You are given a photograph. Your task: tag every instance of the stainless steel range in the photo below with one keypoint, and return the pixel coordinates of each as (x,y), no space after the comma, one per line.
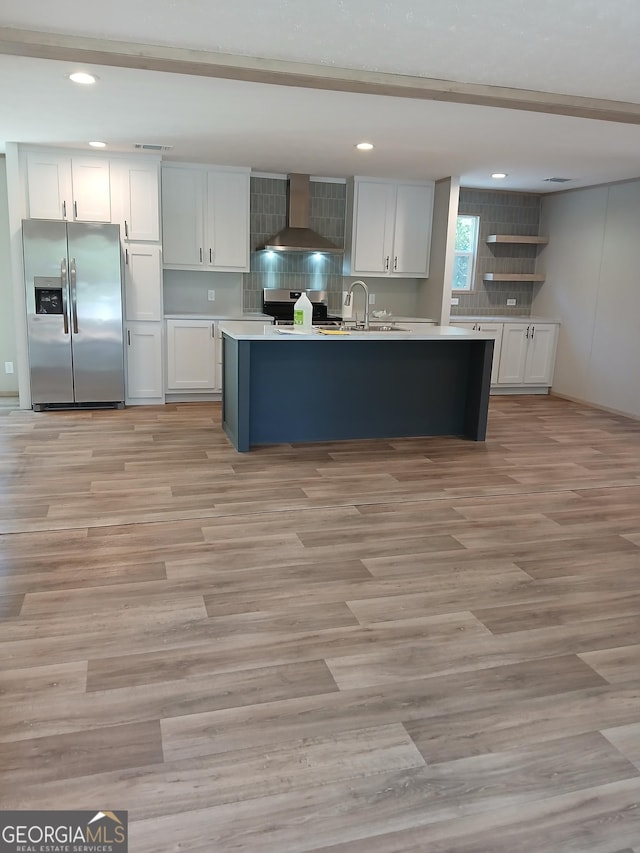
(279,305)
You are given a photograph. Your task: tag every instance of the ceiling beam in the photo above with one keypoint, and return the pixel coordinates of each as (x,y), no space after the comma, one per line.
(177,60)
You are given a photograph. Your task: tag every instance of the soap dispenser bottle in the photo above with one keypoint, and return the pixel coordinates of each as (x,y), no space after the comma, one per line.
(302,314)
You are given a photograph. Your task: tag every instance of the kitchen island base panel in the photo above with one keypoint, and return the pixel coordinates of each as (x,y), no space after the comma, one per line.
(279,392)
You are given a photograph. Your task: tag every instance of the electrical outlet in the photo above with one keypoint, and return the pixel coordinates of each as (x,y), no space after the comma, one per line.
(372,299)
(512,302)
(454,300)
(211,295)
(8,367)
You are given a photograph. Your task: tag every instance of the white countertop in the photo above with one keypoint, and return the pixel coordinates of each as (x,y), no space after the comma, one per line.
(392,318)
(247,315)
(254,332)
(500,318)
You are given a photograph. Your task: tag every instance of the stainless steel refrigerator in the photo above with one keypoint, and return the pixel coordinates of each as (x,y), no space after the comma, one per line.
(74,312)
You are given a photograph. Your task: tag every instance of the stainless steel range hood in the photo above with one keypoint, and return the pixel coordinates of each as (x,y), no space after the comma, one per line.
(297,236)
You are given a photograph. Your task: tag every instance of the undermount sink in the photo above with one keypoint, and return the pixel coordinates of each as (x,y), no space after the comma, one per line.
(373,330)
(387,329)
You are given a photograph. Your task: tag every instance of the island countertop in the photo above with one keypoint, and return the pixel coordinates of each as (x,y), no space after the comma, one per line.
(282,387)
(240,331)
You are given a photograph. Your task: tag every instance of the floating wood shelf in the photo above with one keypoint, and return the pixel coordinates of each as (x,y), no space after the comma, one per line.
(515,238)
(512,276)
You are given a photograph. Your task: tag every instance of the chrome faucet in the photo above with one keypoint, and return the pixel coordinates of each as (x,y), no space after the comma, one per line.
(347,300)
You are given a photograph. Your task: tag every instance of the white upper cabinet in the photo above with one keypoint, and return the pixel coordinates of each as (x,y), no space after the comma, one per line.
(182,216)
(91,189)
(412,233)
(373,221)
(205,217)
(227,221)
(136,196)
(391,228)
(68,187)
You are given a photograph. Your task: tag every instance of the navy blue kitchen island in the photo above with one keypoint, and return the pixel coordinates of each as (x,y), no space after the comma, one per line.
(284,388)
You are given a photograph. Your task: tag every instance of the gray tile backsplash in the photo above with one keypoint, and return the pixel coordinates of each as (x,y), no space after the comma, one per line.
(290,270)
(186,292)
(500,213)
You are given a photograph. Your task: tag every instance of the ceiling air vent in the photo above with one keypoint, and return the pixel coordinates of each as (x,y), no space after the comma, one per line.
(557,180)
(152,146)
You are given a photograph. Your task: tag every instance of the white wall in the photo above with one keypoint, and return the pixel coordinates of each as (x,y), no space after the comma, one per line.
(434,296)
(592,267)
(8,382)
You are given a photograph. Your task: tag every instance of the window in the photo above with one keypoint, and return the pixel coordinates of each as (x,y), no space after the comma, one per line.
(464,262)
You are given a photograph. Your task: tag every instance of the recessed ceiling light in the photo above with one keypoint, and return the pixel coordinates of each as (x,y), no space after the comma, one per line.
(499,175)
(82,77)
(364,146)
(98,144)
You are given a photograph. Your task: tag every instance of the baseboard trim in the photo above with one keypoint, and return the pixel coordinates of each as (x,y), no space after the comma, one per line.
(193,398)
(591,405)
(501,391)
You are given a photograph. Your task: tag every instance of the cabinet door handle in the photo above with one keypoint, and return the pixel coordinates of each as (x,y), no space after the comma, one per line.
(126,229)
(200,255)
(126,257)
(213,330)
(75,209)
(128,337)
(386,262)
(395,263)
(64,209)
(527,332)
(210,257)
(533,329)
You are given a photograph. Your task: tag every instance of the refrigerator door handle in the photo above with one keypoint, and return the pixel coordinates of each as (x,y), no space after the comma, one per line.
(74,306)
(65,287)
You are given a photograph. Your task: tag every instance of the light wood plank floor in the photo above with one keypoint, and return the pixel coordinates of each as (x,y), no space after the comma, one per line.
(410,646)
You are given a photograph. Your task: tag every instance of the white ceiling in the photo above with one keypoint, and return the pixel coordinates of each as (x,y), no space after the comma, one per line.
(583,48)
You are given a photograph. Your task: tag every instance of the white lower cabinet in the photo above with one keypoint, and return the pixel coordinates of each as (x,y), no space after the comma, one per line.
(495,330)
(192,356)
(144,363)
(528,353)
(523,354)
